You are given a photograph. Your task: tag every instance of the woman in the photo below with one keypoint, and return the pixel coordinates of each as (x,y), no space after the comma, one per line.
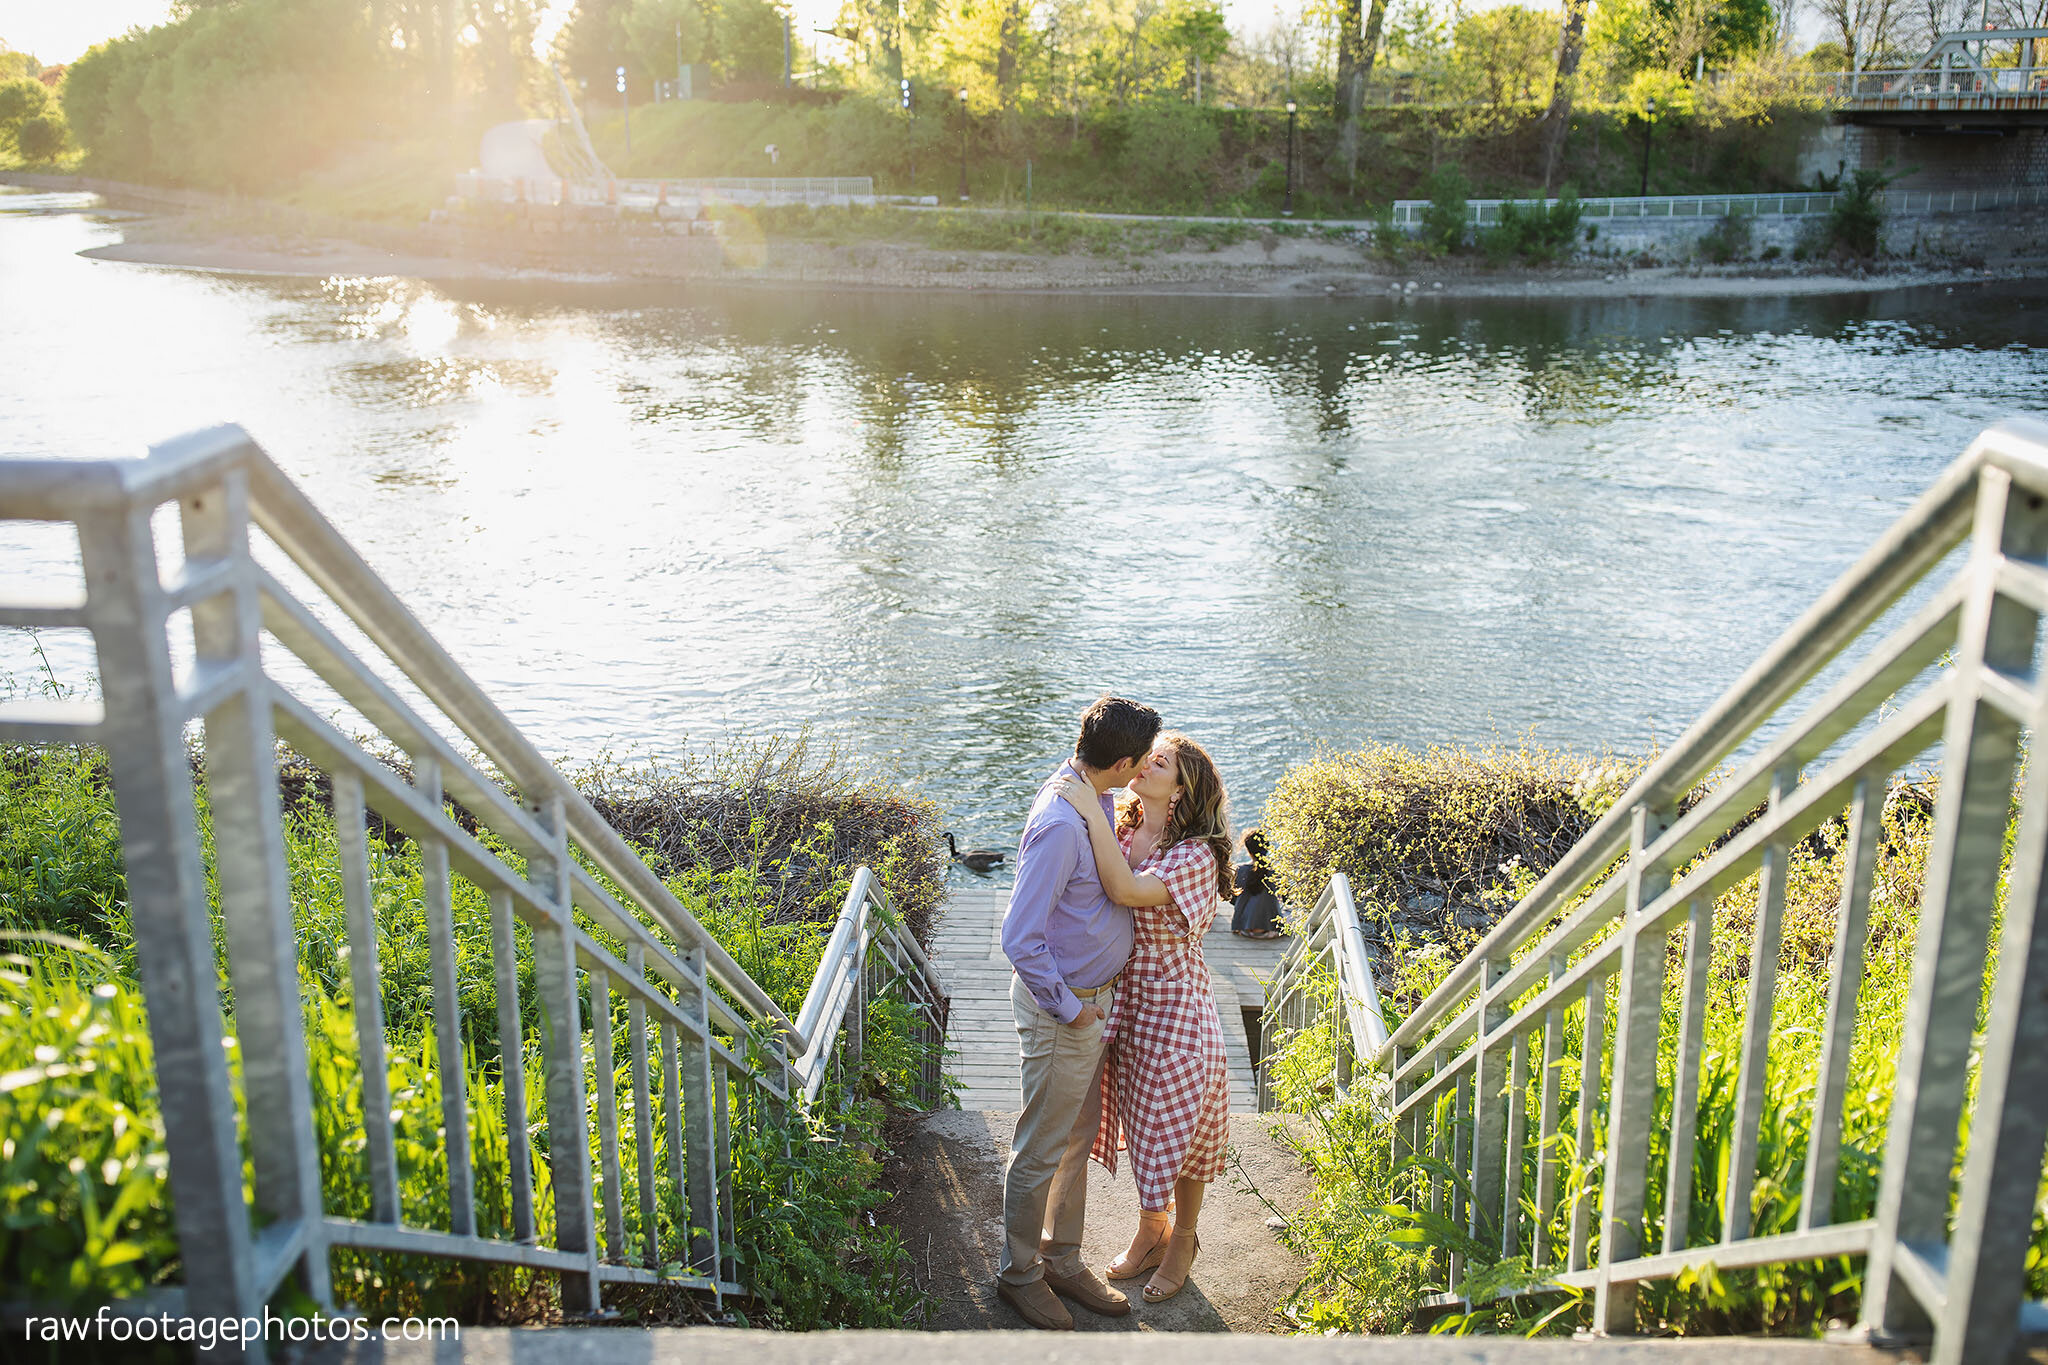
(1165,1081)
(1256,912)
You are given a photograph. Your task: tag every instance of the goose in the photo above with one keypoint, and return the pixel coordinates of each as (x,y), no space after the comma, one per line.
(982,860)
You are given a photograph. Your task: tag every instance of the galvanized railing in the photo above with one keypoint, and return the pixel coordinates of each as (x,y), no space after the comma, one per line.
(1328,947)
(1577,972)
(707,1047)
(817,191)
(1410,213)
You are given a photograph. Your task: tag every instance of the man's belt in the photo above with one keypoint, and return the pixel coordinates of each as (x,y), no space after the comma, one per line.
(1094,991)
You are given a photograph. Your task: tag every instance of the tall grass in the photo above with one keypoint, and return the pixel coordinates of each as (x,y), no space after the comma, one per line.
(87,1206)
(1372,1241)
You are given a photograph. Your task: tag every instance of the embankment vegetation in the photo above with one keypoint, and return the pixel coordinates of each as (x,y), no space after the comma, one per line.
(1438,845)
(370,107)
(759,843)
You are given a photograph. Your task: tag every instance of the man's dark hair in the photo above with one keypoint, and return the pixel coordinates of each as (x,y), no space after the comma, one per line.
(1114,729)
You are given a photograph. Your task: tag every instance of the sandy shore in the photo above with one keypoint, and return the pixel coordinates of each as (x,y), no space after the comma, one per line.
(1293,269)
(253,239)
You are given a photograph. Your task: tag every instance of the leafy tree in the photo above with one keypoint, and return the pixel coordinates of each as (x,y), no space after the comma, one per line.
(987,44)
(14,64)
(593,40)
(1194,30)
(21,99)
(1504,56)
(42,138)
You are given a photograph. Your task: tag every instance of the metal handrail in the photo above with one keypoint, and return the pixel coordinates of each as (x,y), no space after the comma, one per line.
(601,920)
(1329,934)
(1456,1073)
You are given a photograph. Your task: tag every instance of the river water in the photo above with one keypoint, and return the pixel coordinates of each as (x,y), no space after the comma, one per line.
(934,526)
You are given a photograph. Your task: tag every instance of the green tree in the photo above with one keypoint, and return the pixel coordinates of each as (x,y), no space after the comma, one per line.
(13,64)
(593,40)
(42,138)
(1504,56)
(1194,31)
(22,99)
(659,33)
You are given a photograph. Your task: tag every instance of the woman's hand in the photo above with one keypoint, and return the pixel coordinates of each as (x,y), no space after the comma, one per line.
(1080,796)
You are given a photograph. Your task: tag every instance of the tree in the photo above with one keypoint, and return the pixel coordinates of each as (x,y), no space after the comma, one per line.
(1503,55)
(42,137)
(593,40)
(22,99)
(1867,29)
(1194,31)
(1557,118)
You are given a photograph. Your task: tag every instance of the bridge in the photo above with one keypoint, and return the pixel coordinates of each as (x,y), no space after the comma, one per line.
(659,1053)
(1949,84)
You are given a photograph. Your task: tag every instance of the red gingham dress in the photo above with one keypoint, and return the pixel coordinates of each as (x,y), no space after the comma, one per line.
(1165,1078)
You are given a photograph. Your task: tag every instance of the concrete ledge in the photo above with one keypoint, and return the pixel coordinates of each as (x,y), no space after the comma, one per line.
(728,1346)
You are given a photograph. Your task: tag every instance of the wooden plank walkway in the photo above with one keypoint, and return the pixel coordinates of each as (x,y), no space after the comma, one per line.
(968,952)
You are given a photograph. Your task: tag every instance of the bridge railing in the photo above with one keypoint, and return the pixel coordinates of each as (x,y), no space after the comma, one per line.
(706,1047)
(1576,973)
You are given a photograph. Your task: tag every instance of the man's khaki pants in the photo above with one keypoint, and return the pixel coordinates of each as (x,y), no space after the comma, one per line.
(1045,1188)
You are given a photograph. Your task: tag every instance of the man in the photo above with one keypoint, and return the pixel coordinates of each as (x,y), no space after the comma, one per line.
(1068,942)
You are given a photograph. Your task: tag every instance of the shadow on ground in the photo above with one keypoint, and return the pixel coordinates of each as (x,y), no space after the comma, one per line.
(948,1182)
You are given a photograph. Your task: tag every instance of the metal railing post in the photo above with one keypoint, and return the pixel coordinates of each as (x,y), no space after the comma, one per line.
(255,884)
(1638,1015)
(557,985)
(127,610)
(1980,749)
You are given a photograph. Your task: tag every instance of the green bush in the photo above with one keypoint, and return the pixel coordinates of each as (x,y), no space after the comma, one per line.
(1855,224)
(1731,239)
(1534,233)
(1443,222)
(1385,815)
(42,138)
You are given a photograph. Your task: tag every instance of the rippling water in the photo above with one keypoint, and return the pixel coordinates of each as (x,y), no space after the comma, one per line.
(935,526)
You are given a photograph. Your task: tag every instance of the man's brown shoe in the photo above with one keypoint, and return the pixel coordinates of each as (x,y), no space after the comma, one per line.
(1037,1304)
(1091,1293)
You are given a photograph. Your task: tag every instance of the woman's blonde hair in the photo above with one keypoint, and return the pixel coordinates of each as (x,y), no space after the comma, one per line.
(1202,810)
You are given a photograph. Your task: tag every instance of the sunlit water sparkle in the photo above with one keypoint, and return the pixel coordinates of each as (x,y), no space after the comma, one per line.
(935,525)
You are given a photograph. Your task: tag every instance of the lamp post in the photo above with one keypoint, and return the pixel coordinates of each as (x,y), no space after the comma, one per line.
(1287,210)
(963,144)
(625,112)
(1649,122)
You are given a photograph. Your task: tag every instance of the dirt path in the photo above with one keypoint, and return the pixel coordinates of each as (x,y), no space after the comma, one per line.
(948,1182)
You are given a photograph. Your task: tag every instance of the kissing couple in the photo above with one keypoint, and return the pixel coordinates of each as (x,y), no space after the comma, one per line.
(1122,1045)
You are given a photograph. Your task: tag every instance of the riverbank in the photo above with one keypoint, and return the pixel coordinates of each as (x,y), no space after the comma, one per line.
(185,230)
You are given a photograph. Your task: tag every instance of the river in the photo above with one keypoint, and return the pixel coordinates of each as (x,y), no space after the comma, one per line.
(933,526)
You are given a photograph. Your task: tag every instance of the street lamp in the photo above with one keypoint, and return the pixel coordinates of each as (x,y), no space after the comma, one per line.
(1649,122)
(963,144)
(1288,210)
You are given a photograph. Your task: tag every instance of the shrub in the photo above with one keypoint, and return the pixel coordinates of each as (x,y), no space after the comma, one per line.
(1728,240)
(1536,233)
(42,138)
(1447,817)
(1855,225)
(1443,222)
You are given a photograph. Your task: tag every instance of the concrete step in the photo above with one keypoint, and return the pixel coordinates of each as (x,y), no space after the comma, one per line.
(734,1346)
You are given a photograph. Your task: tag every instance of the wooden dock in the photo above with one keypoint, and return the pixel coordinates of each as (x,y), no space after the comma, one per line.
(968,952)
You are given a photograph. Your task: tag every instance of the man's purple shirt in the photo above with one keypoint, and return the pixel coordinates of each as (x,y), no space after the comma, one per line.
(1062,929)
